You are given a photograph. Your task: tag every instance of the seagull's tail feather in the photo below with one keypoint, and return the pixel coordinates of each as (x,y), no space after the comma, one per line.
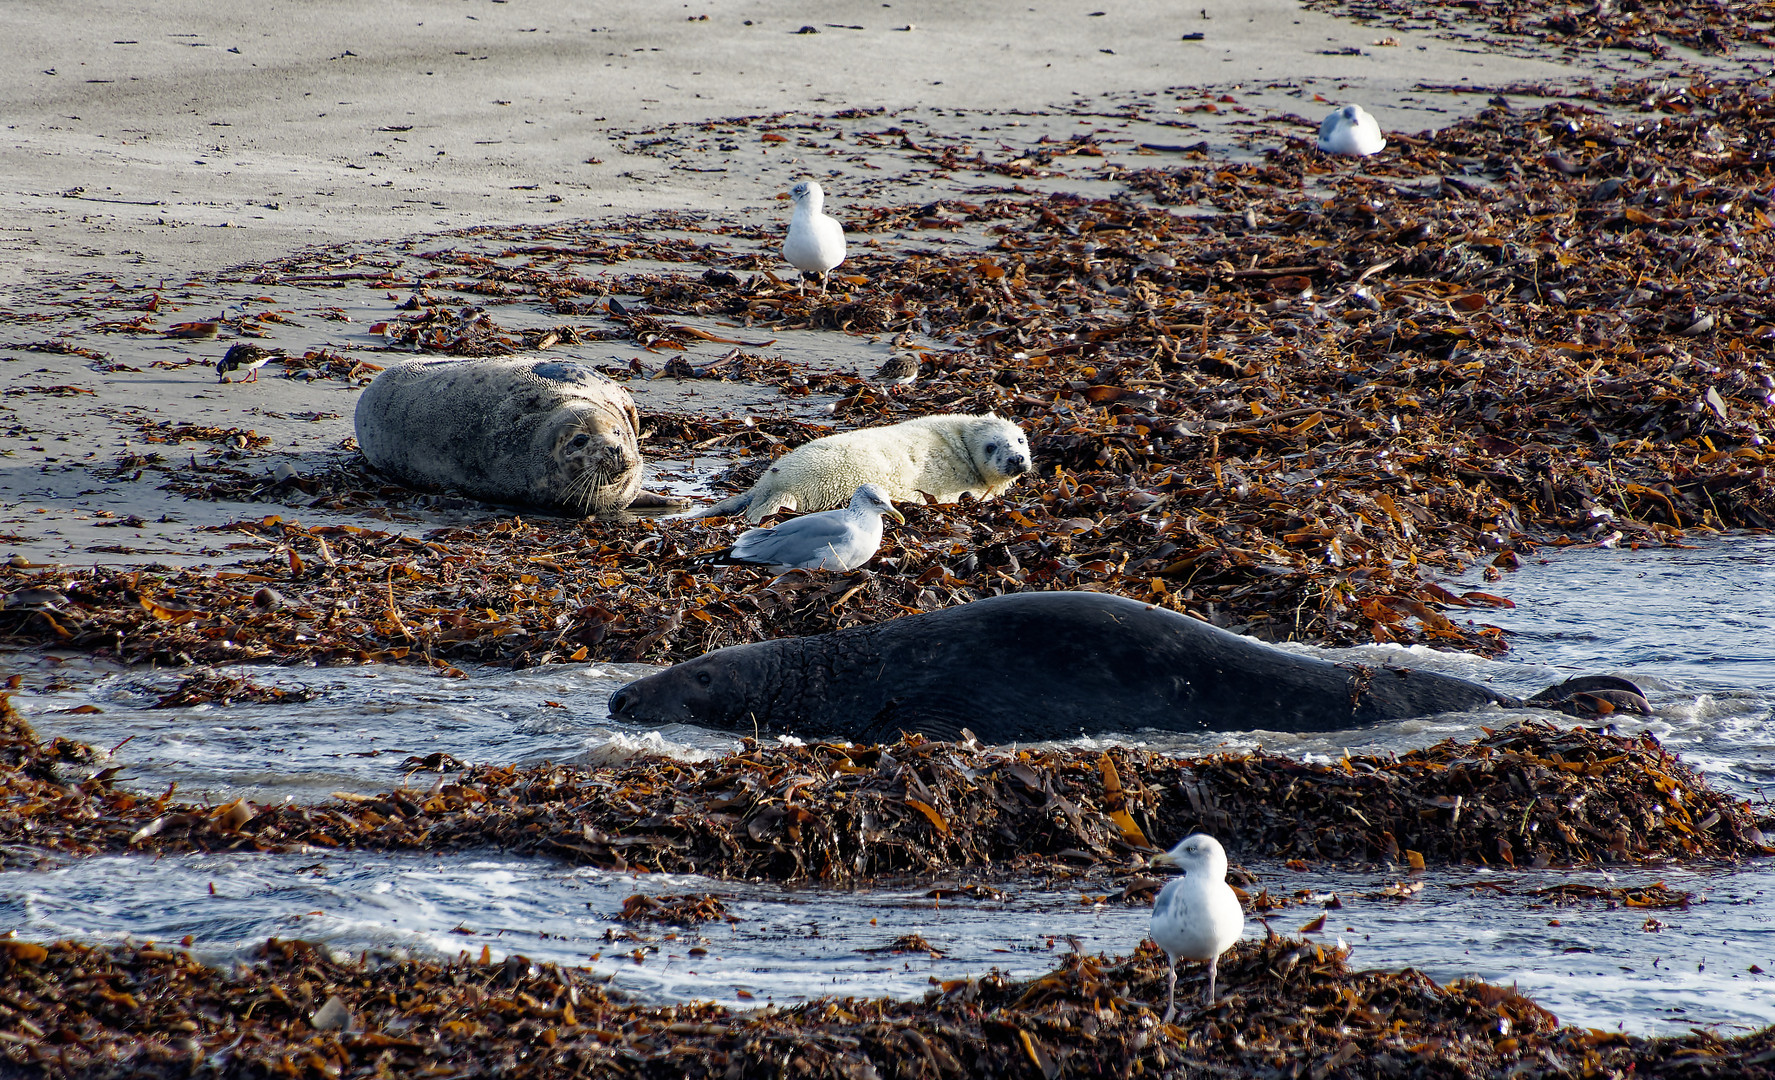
(728,507)
(724,557)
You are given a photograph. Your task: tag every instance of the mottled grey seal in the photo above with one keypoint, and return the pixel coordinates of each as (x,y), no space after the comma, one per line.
(550,434)
(1047,665)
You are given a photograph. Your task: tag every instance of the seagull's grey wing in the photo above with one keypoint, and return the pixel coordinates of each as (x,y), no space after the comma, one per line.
(1167,919)
(804,541)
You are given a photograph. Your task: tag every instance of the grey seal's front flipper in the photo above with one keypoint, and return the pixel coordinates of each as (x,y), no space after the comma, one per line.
(1594,695)
(649,503)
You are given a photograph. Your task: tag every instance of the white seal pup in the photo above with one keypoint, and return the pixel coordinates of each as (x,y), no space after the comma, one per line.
(551,434)
(1197,916)
(830,540)
(1350,131)
(815,243)
(943,456)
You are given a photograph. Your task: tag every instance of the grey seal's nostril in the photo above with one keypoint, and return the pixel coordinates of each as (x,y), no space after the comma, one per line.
(619,701)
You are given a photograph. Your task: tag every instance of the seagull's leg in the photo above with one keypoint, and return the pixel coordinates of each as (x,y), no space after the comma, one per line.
(823,282)
(1208,995)
(1170,990)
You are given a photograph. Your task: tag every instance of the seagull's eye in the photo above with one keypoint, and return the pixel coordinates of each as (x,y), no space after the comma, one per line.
(703,678)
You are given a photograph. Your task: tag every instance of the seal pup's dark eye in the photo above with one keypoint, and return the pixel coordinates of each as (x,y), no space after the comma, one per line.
(990,447)
(580,440)
(702,677)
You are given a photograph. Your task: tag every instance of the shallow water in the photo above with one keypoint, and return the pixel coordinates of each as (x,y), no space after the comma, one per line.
(1696,627)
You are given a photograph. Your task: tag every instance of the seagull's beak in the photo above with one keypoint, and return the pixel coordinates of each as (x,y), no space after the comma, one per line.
(782,195)
(895,514)
(1163,858)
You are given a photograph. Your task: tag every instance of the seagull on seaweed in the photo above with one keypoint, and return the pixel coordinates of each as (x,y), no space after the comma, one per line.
(1197,916)
(841,539)
(815,243)
(1350,131)
(247,357)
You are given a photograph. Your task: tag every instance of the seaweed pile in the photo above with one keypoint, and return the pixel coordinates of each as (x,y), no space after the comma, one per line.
(1285,412)
(1286,1008)
(1530,795)
(1642,26)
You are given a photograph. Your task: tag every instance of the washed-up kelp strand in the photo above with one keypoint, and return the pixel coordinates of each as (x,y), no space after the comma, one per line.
(206,687)
(689,908)
(523,592)
(1530,795)
(1643,26)
(1286,1008)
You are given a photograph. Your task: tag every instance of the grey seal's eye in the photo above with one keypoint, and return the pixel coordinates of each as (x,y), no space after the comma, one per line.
(580,440)
(703,679)
(990,447)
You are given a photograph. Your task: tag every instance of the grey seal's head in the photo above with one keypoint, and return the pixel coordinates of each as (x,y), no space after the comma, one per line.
(588,447)
(593,462)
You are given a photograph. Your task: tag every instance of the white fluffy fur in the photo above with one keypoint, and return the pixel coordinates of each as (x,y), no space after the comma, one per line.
(941,456)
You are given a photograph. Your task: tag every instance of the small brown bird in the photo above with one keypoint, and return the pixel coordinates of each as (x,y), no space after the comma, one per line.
(244,356)
(900,369)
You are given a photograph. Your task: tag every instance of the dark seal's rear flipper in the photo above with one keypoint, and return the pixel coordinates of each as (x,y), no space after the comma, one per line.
(1594,695)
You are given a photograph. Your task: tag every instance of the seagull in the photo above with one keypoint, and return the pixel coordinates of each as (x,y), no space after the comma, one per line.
(815,243)
(1350,131)
(901,368)
(244,356)
(1197,916)
(831,540)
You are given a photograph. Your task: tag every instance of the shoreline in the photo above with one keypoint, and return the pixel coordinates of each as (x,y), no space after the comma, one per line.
(1272,391)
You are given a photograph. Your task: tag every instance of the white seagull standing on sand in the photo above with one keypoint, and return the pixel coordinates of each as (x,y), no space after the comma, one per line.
(1197,916)
(815,243)
(1350,131)
(830,540)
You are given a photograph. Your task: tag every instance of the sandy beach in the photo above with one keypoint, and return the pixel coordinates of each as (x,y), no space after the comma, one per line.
(173,139)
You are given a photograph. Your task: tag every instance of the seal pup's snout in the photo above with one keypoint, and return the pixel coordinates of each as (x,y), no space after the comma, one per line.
(620,702)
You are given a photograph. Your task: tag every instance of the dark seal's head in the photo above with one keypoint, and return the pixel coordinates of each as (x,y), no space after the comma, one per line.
(717,690)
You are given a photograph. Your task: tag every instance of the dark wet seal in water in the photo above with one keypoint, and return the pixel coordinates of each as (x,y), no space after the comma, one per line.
(1530,795)
(1289,1008)
(1053,665)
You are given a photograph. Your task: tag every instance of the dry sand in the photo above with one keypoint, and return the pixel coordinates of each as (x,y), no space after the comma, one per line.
(148,147)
